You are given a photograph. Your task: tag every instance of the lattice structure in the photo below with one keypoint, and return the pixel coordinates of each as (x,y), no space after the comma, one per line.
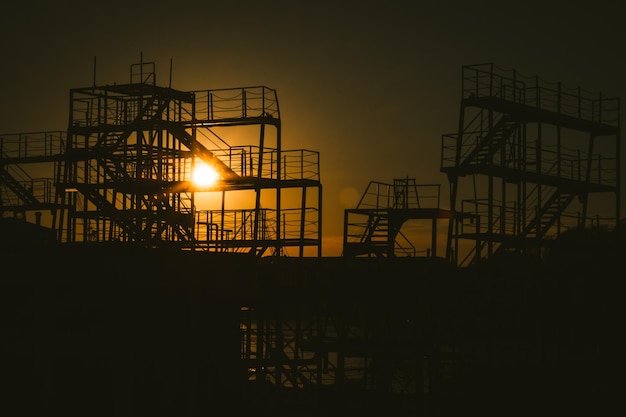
(24,187)
(123,171)
(381,223)
(542,158)
(359,335)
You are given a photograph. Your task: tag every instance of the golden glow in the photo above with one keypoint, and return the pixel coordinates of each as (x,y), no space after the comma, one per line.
(204,175)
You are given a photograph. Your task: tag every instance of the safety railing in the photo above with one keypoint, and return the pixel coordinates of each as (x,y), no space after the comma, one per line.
(489,80)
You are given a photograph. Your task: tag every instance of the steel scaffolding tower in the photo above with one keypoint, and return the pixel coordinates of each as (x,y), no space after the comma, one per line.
(356,335)
(379,225)
(123,171)
(540,158)
(131,152)
(26,183)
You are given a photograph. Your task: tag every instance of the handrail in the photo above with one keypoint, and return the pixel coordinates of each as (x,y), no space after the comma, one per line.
(32,144)
(488,80)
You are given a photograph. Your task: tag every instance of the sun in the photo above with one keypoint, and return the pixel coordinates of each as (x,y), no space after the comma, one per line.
(204,175)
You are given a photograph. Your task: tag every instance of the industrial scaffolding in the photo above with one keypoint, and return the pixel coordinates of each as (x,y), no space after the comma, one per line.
(386,221)
(123,171)
(530,160)
(358,335)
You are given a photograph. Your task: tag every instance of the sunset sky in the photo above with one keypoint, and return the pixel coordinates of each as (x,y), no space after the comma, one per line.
(371,85)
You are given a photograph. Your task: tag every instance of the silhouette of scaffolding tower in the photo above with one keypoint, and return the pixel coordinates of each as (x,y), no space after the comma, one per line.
(378,225)
(382,342)
(539,156)
(126,174)
(26,193)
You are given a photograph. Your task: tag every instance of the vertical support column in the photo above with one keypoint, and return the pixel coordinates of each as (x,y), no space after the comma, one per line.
(434,237)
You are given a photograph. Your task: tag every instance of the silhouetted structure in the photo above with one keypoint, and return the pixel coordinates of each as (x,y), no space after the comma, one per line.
(377,226)
(24,159)
(123,170)
(172,316)
(539,156)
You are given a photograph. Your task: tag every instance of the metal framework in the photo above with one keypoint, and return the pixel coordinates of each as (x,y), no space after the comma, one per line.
(380,224)
(25,159)
(123,171)
(357,335)
(540,157)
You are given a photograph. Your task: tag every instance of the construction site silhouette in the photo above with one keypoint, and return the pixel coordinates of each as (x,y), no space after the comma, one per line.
(123,295)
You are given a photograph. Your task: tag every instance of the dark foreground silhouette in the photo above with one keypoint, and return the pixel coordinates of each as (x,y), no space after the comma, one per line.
(110,330)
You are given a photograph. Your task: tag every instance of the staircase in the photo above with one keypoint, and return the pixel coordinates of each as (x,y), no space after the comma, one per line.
(488,145)
(375,225)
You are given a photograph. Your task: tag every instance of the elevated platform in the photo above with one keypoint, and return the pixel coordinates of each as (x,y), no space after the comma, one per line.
(124,169)
(530,160)
(376,227)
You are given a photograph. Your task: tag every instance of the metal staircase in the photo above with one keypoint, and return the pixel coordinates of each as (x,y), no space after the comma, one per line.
(27,190)
(492,142)
(549,214)
(376,226)
(534,153)
(122,171)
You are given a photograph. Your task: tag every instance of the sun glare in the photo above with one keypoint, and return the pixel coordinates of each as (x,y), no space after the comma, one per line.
(204,175)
